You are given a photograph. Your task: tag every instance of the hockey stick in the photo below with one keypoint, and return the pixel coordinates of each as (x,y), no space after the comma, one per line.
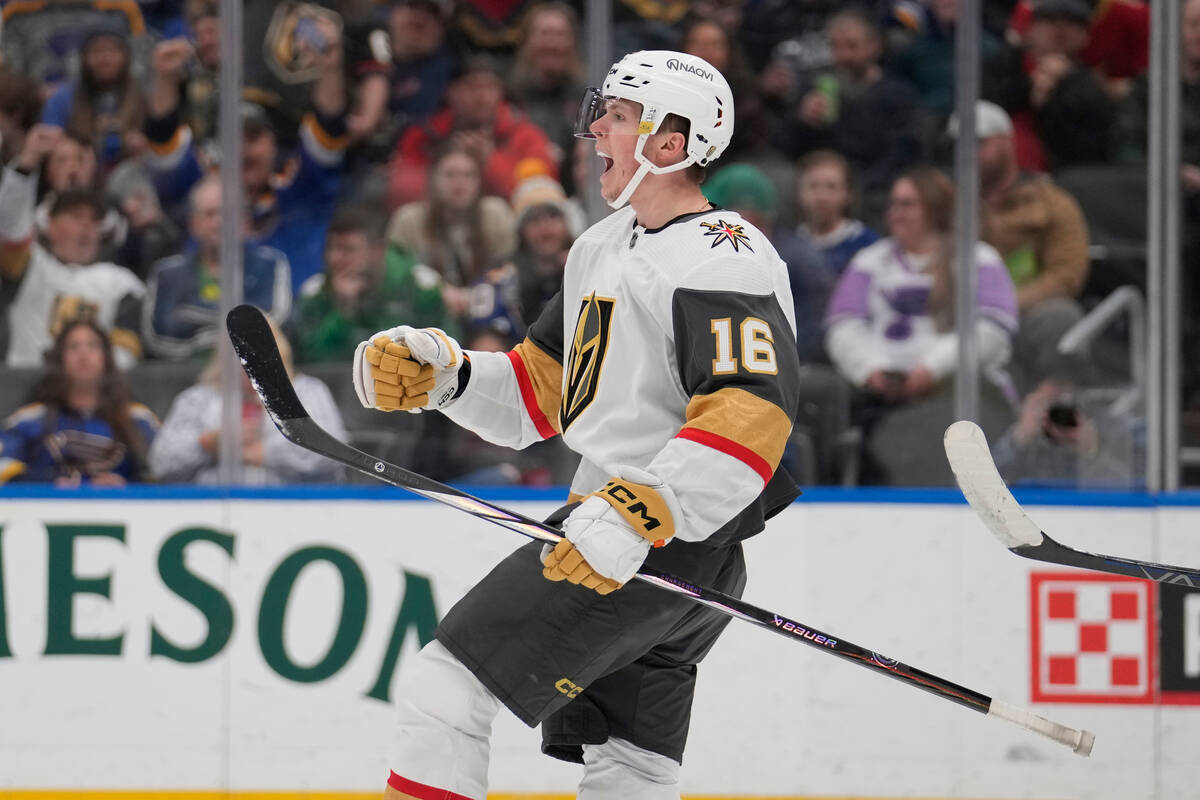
(980,481)
(255,345)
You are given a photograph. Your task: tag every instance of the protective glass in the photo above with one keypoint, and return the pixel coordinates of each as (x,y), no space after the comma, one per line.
(590,110)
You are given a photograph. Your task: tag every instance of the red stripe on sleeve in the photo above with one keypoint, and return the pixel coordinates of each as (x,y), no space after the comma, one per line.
(730,448)
(401,784)
(544,428)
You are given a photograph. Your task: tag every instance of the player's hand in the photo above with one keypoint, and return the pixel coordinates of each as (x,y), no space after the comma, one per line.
(565,562)
(609,535)
(408,369)
(381,364)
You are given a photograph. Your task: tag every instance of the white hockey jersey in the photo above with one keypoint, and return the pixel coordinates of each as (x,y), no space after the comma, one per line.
(53,293)
(50,293)
(671,350)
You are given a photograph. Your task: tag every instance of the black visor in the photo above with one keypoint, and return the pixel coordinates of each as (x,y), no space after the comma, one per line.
(591,109)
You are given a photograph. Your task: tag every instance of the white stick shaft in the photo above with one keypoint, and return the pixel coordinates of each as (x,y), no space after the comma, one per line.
(1079,741)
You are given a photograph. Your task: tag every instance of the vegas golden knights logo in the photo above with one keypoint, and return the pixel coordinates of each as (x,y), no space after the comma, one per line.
(587,356)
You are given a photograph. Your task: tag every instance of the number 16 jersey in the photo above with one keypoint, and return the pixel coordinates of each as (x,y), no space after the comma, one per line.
(669,349)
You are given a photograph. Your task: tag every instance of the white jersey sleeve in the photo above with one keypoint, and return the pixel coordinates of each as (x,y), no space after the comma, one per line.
(670,350)
(512,398)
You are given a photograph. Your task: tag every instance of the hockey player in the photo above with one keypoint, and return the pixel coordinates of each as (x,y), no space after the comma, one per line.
(668,361)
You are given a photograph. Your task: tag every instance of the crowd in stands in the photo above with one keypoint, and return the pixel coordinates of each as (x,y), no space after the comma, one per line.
(413,161)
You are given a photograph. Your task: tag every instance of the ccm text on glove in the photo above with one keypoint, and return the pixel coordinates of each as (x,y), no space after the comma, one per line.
(609,535)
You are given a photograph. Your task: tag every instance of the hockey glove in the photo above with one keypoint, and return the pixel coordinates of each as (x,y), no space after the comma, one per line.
(609,535)
(407,369)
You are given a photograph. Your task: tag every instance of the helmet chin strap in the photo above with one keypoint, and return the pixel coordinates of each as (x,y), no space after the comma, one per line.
(642,171)
(645,167)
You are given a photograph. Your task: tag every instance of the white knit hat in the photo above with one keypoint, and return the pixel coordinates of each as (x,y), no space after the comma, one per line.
(990,120)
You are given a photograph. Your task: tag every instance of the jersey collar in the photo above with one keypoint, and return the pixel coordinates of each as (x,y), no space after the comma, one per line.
(680,218)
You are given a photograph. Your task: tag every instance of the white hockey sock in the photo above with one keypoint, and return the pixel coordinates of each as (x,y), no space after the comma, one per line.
(618,769)
(444,723)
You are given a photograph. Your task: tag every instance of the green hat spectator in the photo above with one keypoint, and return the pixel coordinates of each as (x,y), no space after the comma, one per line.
(742,186)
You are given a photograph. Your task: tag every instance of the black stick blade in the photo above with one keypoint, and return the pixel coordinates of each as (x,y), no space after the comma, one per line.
(254,343)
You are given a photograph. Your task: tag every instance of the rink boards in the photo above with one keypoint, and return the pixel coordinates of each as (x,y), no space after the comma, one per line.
(246,645)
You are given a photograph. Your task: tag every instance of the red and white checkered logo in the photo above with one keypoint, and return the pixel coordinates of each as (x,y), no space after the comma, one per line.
(1093,638)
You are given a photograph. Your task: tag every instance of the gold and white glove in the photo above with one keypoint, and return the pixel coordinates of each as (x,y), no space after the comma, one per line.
(408,369)
(608,536)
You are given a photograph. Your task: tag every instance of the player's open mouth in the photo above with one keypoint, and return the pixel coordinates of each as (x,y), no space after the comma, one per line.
(608,163)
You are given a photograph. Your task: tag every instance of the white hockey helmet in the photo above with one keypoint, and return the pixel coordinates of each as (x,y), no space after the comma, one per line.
(665,82)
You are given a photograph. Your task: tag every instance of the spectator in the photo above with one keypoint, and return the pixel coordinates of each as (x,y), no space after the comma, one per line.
(297,39)
(398,63)
(1130,135)
(290,207)
(105,104)
(146,234)
(786,38)
(1062,114)
(1039,231)
(1056,442)
(182,313)
(457,231)
(1118,40)
(640,25)
(547,225)
(493,302)
(288,49)
(786,42)
(368,60)
(70,165)
(20,110)
(64,279)
(826,196)
(546,80)
(922,43)
(748,191)
(201,76)
(1130,145)
(422,62)
(715,44)
(514,290)
(82,428)
(488,26)
(130,242)
(166,18)
(871,118)
(476,118)
(41,40)
(890,324)
(366,287)
(186,448)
